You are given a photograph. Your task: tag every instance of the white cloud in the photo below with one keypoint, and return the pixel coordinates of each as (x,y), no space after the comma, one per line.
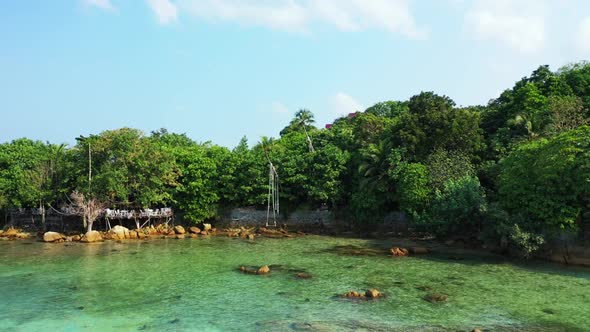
(103,4)
(166,12)
(297,15)
(343,104)
(519,24)
(583,36)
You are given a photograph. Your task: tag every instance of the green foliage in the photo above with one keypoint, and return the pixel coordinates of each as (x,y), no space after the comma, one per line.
(412,186)
(458,208)
(547,181)
(444,166)
(432,123)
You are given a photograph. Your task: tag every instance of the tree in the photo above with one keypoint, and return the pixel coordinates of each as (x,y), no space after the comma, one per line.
(432,123)
(89,208)
(566,113)
(545,182)
(302,121)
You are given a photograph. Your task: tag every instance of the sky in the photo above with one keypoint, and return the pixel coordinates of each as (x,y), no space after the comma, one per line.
(219,70)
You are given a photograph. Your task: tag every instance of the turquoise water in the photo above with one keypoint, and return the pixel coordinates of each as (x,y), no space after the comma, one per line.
(194,284)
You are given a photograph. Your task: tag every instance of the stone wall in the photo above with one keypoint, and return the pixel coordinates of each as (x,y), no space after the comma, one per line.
(250,216)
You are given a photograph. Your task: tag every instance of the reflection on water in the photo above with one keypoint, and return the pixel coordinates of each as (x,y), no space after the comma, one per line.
(195,284)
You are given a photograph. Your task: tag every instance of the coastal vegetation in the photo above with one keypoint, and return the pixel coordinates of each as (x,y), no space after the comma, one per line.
(515,171)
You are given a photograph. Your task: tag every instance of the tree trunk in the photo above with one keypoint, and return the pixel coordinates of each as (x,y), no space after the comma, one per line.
(89,228)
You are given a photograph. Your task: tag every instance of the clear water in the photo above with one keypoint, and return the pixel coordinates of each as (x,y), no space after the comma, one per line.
(194,284)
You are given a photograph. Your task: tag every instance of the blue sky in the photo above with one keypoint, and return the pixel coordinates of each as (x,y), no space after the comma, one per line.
(221,69)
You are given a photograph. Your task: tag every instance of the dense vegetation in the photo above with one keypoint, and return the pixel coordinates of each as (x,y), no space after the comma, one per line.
(516,170)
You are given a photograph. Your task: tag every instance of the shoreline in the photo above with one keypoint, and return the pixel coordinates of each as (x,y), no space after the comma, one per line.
(399,245)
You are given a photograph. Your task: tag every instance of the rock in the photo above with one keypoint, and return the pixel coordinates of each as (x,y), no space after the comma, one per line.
(194,236)
(399,252)
(436,297)
(179,236)
(53,237)
(119,233)
(141,235)
(373,293)
(92,236)
(353,294)
(133,235)
(476,330)
(22,235)
(68,239)
(419,250)
(76,238)
(206,227)
(194,230)
(303,275)
(204,233)
(11,232)
(171,233)
(250,236)
(263,270)
(179,229)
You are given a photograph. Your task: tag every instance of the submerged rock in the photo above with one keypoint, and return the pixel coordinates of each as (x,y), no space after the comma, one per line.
(303,275)
(92,236)
(353,294)
(179,229)
(194,230)
(53,237)
(179,236)
(436,297)
(251,270)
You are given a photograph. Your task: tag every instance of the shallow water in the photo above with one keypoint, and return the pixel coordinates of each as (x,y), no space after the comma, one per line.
(194,284)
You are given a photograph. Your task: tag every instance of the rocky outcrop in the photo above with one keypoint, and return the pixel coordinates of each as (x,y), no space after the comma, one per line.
(399,252)
(179,229)
(11,232)
(92,236)
(53,237)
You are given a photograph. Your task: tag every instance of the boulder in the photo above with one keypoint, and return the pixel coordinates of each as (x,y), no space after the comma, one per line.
(11,232)
(171,233)
(204,233)
(476,330)
(419,250)
(179,236)
(206,227)
(250,236)
(119,233)
(133,234)
(194,236)
(194,230)
(76,238)
(372,293)
(179,229)
(141,235)
(53,237)
(92,236)
(22,235)
(399,252)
